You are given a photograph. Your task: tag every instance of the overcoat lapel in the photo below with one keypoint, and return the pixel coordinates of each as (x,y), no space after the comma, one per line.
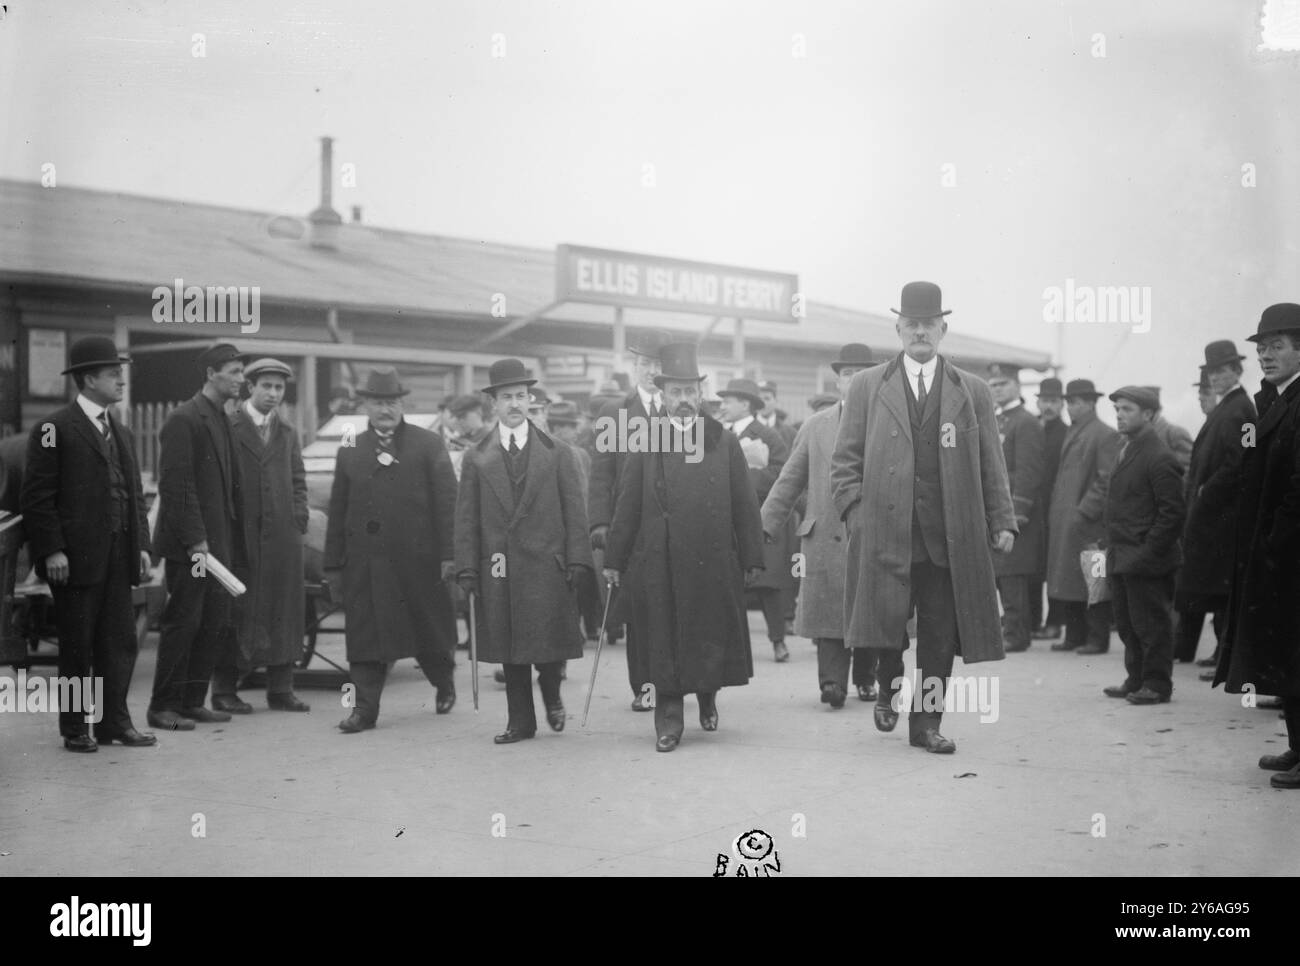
(893,396)
(539,468)
(953,397)
(494,471)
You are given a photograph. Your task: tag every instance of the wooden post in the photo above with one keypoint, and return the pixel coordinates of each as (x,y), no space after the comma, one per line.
(305,411)
(620,339)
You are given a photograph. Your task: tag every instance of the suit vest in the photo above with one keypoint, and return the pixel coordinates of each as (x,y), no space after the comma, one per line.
(929,536)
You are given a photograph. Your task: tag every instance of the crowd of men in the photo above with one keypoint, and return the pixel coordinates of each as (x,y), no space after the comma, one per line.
(919,501)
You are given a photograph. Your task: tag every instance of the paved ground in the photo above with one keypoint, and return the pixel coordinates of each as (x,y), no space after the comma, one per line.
(1176,786)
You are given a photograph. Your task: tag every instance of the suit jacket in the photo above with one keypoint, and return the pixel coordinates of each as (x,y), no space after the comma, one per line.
(66,500)
(198,485)
(823,537)
(873,470)
(1144,509)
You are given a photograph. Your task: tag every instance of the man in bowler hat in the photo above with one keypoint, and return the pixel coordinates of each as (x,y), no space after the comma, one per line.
(1261,643)
(919,477)
(83,510)
(1143,520)
(522,547)
(389,549)
(199,513)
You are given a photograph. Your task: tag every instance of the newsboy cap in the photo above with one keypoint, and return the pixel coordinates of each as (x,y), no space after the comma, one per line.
(252,370)
(218,355)
(1142,395)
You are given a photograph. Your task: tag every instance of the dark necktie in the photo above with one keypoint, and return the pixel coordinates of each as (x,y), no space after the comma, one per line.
(103,423)
(514,447)
(920,390)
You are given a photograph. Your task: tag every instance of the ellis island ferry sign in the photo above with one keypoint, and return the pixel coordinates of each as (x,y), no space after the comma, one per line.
(605,277)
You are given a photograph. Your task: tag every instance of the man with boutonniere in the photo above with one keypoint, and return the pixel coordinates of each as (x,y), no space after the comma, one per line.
(389,549)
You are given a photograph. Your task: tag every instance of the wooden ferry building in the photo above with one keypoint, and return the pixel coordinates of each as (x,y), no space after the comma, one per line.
(165,278)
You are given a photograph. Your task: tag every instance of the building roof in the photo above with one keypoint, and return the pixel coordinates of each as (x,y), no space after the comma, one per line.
(89,238)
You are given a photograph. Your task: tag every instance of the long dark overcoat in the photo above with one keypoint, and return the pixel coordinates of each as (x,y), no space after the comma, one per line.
(778,565)
(1213,482)
(683,536)
(274,514)
(390,529)
(1144,509)
(522,551)
(874,468)
(1078,500)
(1261,644)
(1023,450)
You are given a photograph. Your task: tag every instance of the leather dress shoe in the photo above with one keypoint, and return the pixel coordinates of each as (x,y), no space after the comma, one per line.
(667,742)
(231,704)
(1048,632)
(130,737)
(639,703)
(80,743)
(1064,646)
(886,717)
(204,715)
(709,712)
(555,717)
(286,702)
(1147,696)
(833,695)
(1283,762)
(1286,779)
(1206,675)
(866,692)
(1268,701)
(1118,691)
(780,652)
(446,699)
(354,723)
(1208,662)
(511,735)
(499,676)
(933,742)
(170,720)
(1091,649)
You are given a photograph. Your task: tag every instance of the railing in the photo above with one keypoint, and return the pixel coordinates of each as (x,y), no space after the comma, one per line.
(146,421)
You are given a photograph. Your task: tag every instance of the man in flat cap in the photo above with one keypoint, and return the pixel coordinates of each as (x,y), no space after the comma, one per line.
(83,510)
(1074,519)
(1261,643)
(269,617)
(1051,407)
(1176,438)
(522,544)
(200,501)
(1213,483)
(686,538)
(1023,450)
(820,615)
(389,550)
(765,453)
(1143,520)
(644,401)
(925,518)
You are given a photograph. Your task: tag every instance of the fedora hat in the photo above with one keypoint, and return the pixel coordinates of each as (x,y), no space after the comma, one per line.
(507,372)
(563,412)
(745,389)
(267,365)
(678,360)
(649,343)
(921,300)
(1049,388)
(1082,388)
(1283,317)
(382,383)
(1221,352)
(853,354)
(93,352)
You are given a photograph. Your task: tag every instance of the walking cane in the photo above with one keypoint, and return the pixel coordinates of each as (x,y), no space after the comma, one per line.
(595,664)
(473,651)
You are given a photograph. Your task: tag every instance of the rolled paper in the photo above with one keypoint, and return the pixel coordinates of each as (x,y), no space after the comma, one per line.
(234,586)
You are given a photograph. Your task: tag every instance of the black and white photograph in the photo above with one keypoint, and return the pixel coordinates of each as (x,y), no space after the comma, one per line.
(652,438)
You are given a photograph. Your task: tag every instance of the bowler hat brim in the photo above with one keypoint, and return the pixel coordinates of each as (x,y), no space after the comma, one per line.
(512,382)
(96,364)
(921,318)
(756,400)
(660,379)
(837,366)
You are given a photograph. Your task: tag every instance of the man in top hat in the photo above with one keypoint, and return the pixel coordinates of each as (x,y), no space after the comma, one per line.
(1177,439)
(925,517)
(200,500)
(1075,519)
(1143,520)
(389,549)
(685,539)
(765,453)
(643,402)
(269,617)
(1261,643)
(820,615)
(1213,481)
(522,545)
(1023,450)
(1051,407)
(83,510)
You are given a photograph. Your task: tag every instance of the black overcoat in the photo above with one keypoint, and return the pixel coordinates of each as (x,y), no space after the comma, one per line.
(1023,451)
(1144,509)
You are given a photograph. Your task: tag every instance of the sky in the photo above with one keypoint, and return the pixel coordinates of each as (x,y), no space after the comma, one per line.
(1011,151)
